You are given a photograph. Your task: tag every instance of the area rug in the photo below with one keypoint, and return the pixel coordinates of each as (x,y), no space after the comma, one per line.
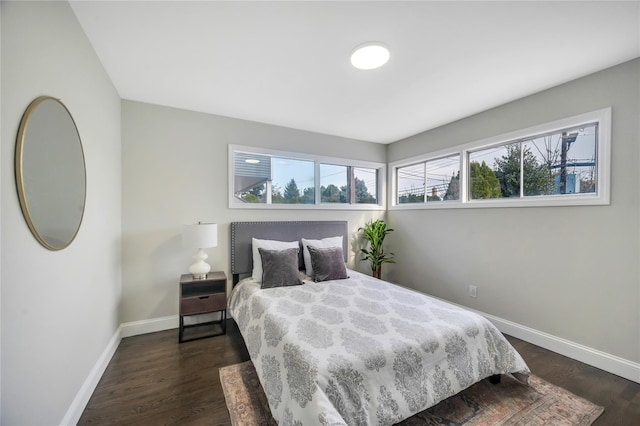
(508,403)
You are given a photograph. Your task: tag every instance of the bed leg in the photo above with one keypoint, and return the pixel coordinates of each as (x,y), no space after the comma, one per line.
(495,379)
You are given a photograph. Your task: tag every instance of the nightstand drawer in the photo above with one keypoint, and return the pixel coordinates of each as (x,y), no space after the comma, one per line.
(205,303)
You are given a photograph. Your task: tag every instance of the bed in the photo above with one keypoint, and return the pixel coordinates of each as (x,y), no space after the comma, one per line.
(355,350)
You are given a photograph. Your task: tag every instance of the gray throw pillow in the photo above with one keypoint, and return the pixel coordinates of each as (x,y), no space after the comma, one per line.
(327,263)
(279,267)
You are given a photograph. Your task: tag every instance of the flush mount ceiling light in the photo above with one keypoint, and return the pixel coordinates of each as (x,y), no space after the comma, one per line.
(251,161)
(369,56)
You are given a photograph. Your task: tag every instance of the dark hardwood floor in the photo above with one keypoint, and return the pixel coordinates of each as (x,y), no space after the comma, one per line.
(154,380)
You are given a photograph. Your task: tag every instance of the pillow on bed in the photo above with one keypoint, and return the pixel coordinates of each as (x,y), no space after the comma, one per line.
(328,263)
(323,243)
(279,267)
(269,245)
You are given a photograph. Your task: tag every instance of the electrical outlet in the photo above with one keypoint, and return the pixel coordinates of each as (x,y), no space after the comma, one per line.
(473,291)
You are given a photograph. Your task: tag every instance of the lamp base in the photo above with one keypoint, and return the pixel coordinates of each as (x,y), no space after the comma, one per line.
(199,269)
(199,276)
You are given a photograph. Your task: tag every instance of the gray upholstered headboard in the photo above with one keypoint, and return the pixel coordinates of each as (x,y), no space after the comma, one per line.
(242,232)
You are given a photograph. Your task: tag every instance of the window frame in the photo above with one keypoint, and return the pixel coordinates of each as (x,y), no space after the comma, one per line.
(381,189)
(602,195)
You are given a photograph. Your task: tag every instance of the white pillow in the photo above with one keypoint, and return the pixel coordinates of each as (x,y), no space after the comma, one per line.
(323,243)
(268,245)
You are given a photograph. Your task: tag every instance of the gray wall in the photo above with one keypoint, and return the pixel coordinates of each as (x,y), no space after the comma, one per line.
(571,272)
(59,309)
(175,172)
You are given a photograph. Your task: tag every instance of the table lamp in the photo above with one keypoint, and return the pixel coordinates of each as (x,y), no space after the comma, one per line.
(200,236)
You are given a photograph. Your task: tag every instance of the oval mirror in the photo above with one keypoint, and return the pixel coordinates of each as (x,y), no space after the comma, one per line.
(50,173)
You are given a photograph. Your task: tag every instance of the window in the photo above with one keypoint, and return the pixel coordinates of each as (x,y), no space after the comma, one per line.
(333,184)
(561,163)
(365,185)
(430,181)
(411,183)
(266,179)
(443,177)
(348,184)
(293,181)
(558,163)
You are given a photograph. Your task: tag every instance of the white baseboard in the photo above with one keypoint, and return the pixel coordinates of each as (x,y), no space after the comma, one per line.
(602,360)
(135,328)
(613,364)
(79,403)
(619,366)
(610,363)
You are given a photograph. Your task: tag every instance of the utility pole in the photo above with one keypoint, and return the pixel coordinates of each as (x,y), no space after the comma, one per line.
(567,140)
(563,164)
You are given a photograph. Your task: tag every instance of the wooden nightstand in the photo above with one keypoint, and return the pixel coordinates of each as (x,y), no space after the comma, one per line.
(203,296)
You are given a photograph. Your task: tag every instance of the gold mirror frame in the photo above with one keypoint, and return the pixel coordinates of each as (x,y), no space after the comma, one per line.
(50,173)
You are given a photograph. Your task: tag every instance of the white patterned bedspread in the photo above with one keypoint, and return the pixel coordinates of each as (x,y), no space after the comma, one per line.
(363,351)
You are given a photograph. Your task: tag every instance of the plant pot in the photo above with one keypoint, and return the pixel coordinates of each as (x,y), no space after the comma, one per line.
(377,273)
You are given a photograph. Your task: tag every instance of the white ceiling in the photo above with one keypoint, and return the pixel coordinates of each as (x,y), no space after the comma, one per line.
(287,63)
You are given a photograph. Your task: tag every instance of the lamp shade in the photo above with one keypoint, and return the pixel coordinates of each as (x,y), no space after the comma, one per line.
(200,235)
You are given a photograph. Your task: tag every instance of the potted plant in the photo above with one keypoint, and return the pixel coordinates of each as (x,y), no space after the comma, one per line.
(375,232)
